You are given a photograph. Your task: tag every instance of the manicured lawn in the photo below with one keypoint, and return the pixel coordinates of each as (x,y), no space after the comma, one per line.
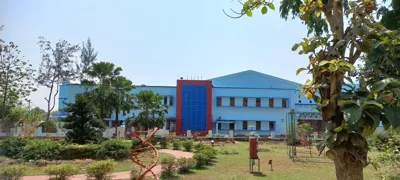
(236,167)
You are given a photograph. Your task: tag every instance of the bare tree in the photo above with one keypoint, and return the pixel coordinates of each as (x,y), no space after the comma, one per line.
(57,65)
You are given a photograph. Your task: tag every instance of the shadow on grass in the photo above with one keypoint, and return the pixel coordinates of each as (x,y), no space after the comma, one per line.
(259,174)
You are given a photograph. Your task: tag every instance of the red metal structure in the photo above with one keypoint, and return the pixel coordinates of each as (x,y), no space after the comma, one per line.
(145,154)
(253,148)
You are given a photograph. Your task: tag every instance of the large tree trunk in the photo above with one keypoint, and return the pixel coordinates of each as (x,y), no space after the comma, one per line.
(347,168)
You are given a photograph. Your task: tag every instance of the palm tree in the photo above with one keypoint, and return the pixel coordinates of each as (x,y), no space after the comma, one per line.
(152,110)
(103,74)
(120,97)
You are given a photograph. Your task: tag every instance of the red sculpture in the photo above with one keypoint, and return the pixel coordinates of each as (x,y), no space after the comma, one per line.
(145,154)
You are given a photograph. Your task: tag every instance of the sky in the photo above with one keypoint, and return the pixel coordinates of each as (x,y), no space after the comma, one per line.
(156,42)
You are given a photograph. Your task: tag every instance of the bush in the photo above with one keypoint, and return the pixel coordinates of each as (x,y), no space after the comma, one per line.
(135,173)
(199,146)
(187,145)
(210,152)
(201,159)
(135,143)
(185,164)
(12,147)
(100,170)
(167,166)
(176,144)
(61,171)
(164,143)
(13,172)
(37,149)
(74,151)
(117,149)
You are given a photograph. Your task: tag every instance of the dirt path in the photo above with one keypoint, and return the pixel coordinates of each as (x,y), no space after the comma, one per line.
(120,175)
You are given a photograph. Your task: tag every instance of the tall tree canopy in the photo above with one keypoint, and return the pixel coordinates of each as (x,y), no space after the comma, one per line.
(88,57)
(58,64)
(351,113)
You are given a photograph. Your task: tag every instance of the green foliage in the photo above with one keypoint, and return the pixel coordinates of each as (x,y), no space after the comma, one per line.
(152,110)
(100,170)
(135,143)
(176,144)
(185,164)
(304,127)
(76,151)
(117,149)
(188,145)
(227,151)
(12,146)
(37,149)
(205,156)
(82,122)
(388,143)
(199,146)
(13,172)
(61,171)
(168,167)
(164,143)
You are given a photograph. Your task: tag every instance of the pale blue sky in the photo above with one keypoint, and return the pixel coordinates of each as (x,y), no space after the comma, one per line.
(156,42)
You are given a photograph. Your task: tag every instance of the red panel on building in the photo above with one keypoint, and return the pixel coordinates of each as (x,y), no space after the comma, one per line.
(179,85)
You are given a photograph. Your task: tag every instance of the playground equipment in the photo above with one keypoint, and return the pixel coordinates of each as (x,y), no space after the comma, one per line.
(253,143)
(145,154)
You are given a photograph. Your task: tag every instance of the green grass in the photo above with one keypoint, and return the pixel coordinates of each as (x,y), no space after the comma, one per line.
(236,167)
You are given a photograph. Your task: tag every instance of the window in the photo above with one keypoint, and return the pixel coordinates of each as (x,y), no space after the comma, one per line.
(271,126)
(231,126)
(284,103)
(165,100)
(232,103)
(171,100)
(271,102)
(219,126)
(258,102)
(244,102)
(244,125)
(219,101)
(258,125)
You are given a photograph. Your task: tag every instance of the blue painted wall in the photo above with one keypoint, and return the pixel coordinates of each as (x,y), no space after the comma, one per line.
(194,107)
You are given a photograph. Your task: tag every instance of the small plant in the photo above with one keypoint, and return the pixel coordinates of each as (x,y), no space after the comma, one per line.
(101,170)
(176,144)
(164,143)
(187,145)
(61,171)
(199,146)
(185,164)
(135,173)
(13,172)
(201,159)
(168,167)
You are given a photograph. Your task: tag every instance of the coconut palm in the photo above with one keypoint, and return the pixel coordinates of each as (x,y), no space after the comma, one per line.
(120,97)
(103,74)
(152,111)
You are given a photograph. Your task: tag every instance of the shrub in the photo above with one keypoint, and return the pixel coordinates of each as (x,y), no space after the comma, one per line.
(117,149)
(168,166)
(135,173)
(176,144)
(37,149)
(74,151)
(199,146)
(187,145)
(201,159)
(61,171)
(100,170)
(135,142)
(164,143)
(210,152)
(13,172)
(185,164)
(12,147)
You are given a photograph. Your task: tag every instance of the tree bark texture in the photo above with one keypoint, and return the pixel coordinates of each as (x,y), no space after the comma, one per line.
(347,168)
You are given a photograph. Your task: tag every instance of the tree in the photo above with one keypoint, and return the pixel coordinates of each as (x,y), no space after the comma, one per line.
(88,57)
(57,65)
(82,121)
(103,73)
(152,111)
(390,18)
(121,99)
(351,113)
(16,77)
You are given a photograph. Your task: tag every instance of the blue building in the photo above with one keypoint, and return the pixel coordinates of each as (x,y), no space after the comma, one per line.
(243,102)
